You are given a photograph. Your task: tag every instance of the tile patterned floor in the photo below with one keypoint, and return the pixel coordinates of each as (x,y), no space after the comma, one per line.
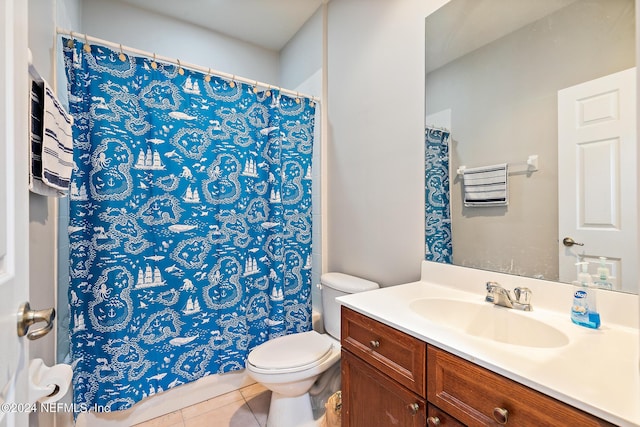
(247,407)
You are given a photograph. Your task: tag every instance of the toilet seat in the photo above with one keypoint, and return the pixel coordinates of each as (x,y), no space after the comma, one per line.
(290,353)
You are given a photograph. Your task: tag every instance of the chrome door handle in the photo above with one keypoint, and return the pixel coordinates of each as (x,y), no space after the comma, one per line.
(27,317)
(568,242)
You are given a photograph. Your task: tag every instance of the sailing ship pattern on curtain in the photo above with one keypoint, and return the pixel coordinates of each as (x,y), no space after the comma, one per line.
(438,243)
(190,223)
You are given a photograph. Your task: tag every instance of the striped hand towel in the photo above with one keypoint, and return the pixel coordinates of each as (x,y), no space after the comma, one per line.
(57,143)
(486,186)
(36,108)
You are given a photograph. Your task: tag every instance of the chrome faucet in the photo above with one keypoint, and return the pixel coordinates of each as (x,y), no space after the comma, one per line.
(498,295)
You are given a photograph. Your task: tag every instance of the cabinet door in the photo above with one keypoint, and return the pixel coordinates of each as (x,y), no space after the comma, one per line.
(371,399)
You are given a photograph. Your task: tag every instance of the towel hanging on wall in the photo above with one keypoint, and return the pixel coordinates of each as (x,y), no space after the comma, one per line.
(51,154)
(36,108)
(486,186)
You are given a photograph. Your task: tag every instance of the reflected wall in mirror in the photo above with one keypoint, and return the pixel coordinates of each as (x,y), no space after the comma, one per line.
(493,73)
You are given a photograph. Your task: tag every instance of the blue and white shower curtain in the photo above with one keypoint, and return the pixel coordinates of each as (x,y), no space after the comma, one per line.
(438,243)
(190,223)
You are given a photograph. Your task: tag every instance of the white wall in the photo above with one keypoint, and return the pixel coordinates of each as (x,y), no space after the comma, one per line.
(152,32)
(376,138)
(301,57)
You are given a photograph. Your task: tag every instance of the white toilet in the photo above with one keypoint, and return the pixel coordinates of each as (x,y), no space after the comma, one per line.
(289,365)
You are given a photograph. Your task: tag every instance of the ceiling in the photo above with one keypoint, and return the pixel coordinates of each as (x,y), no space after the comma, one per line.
(266,23)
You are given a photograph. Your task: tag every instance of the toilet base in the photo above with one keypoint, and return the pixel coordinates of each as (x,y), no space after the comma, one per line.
(290,411)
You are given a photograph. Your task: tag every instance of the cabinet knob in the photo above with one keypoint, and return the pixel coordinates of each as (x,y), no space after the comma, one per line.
(433,421)
(374,343)
(501,415)
(414,408)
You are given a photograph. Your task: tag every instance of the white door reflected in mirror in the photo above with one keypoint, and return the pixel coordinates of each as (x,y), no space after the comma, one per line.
(597,179)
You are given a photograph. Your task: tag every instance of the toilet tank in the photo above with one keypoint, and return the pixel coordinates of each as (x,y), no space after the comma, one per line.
(336,285)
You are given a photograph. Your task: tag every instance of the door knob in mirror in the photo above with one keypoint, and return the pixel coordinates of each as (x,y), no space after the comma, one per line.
(568,242)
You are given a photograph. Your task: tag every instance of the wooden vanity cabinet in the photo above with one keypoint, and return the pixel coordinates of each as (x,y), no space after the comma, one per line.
(383,374)
(390,378)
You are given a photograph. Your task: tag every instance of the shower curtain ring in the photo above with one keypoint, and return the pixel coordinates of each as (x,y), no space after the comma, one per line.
(232,84)
(180,70)
(122,56)
(255,87)
(207,78)
(87,46)
(70,42)
(154,65)
(297,97)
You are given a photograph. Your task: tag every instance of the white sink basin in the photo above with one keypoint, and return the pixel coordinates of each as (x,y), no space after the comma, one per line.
(484,320)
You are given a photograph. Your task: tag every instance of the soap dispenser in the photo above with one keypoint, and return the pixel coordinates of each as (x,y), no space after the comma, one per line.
(603,280)
(584,311)
(584,278)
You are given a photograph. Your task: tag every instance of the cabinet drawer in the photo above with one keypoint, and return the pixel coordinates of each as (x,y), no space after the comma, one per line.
(472,394)
(399,355)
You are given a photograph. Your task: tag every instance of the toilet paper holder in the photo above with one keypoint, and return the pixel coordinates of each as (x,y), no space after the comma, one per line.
(48,384)
(28,317)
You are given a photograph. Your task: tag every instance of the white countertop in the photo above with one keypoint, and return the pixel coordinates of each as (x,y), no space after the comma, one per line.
(598,371)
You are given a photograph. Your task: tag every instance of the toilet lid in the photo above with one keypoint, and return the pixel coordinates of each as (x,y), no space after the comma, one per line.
(291,351)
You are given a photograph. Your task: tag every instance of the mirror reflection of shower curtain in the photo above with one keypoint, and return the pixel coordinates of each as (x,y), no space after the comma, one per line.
(438,245)
(190,223)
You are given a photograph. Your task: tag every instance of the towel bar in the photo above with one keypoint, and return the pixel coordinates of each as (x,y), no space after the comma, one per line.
(531,163)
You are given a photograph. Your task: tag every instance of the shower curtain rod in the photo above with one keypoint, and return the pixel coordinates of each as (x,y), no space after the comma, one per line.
(179,63)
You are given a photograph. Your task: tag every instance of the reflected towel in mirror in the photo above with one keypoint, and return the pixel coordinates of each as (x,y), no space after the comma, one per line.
(486,186)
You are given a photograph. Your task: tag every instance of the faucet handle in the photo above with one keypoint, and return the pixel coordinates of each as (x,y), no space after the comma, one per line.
(523,295)
(491,286)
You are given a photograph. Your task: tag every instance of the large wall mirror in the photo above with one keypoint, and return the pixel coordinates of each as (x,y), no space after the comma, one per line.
(512,79)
